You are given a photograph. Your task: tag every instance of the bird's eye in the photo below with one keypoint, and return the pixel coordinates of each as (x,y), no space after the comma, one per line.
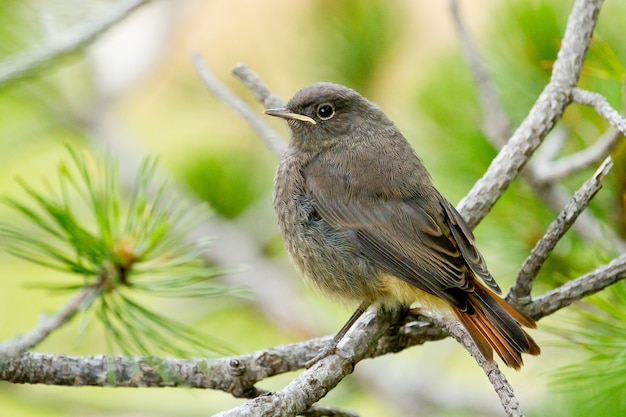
(325,111)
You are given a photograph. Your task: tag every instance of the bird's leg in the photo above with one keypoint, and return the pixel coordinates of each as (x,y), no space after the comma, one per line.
(331,347)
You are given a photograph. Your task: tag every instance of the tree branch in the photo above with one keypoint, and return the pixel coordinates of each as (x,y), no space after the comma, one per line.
(574,290)
(272,139)
(28,62)
(258,87)
(496,127)
(546,111)
(551,171)
(238,375)
(47,324)
(602,106)
(520,293)
(315,382)
(496,377)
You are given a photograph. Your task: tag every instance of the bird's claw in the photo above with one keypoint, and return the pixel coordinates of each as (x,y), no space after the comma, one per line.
(329,349)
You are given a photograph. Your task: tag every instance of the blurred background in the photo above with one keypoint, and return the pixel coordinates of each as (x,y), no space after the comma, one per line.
(135,92)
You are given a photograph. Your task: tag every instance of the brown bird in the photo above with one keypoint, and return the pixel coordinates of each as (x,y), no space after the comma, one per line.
(363,222)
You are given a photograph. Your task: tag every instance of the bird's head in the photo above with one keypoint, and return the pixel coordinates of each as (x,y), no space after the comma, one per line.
(323,114)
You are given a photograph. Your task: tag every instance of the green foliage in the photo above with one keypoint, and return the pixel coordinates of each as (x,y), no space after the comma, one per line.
(448,98)
(226,179)
(354,37)
(522,46)
(596,385)
(122,250)
(533,30)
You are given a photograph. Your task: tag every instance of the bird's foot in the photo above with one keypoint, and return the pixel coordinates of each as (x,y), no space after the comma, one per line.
(330,349)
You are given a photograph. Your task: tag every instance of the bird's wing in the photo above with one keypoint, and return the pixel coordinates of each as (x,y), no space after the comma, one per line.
(467,244)
(401,237)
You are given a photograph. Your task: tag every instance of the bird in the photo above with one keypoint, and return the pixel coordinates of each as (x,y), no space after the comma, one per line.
(363,222)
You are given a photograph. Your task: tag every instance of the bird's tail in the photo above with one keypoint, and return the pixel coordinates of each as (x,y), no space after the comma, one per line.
(494,324)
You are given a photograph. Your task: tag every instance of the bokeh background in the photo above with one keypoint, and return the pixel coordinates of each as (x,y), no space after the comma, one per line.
(135,92)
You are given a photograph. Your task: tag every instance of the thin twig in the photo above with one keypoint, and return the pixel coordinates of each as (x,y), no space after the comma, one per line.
(520,293)
(552,171)
(602,106)
(272,139)
(258,87)
(495,124)
(47,324)
(574,290)
(590,229)
(496,377)
(40,56)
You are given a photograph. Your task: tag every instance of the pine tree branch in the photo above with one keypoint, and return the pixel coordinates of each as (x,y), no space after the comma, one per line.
(520,293)
(540,176)
(235,375)
(544,114)
(228,374)
(40,56)
(590,283)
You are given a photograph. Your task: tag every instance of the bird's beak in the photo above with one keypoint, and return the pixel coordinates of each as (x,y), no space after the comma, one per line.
(286,114)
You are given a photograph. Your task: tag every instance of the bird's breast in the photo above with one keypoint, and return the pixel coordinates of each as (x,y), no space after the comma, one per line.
(327,257)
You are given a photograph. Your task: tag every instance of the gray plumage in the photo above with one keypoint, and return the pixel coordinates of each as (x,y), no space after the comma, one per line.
(362,220)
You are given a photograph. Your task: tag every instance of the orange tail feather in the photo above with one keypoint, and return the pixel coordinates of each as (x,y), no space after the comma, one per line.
(494,324)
